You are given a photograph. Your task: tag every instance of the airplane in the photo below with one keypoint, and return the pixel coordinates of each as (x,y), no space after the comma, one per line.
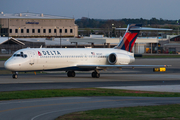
(78,59)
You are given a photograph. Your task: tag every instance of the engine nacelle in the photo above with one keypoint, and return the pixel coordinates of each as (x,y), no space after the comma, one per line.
(112,59)
(117,59)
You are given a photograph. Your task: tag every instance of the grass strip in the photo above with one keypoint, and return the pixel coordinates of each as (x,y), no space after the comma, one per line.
(80,92)
(160,112)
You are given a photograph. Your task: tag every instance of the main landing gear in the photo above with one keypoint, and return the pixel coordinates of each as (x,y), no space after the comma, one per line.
(71,74)
(95,74)
(15,75)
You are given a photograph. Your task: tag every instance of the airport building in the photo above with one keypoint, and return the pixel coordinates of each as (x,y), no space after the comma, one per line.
(36,25)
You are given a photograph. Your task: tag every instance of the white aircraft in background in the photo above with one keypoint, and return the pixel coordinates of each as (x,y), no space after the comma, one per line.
(78,59)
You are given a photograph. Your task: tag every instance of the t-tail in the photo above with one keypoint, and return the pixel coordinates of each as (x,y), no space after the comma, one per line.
(129,38)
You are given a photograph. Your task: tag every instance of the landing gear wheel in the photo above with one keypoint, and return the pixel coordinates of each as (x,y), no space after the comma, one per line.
(95,75)
(15,76)
(71,74)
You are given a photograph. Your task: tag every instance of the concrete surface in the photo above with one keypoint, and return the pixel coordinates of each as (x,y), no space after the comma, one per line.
(155,88)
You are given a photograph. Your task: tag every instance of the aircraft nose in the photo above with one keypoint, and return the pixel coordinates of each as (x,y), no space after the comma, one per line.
(9,65)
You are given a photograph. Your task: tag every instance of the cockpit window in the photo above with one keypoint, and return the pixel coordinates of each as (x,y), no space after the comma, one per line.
(24,55)
(20,55)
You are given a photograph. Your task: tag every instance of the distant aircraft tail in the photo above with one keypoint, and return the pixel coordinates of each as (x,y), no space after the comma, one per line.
(129,38)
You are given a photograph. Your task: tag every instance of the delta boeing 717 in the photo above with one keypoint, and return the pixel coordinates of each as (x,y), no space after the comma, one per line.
(78,59)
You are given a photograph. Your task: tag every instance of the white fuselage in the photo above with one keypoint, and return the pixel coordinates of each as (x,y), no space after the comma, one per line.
(34,59)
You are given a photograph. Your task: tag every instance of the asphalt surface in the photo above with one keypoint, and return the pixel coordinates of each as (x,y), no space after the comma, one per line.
(51,81)
(114,77)
(51,108)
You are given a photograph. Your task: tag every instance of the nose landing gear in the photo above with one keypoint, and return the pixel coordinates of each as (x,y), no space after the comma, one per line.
(15,75)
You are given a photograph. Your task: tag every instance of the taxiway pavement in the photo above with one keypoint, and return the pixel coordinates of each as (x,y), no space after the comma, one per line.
(51,108)
(61,81)
(110,78)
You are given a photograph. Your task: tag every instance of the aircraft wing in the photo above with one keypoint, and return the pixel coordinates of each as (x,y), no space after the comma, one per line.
(119,66)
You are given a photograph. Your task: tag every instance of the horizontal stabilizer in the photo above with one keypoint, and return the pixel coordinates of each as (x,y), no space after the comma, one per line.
(144,28)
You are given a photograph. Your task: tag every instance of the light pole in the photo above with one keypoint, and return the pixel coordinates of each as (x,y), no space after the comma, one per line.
(113,30)
(60,38)
(8,28)
(8,36)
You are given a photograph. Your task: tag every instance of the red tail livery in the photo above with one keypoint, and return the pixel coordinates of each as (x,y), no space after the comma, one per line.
(129,37)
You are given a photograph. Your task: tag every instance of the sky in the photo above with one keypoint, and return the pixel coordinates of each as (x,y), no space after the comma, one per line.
(97,9)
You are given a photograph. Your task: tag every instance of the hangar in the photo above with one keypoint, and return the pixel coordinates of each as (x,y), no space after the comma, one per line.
(33,25)
(9,45)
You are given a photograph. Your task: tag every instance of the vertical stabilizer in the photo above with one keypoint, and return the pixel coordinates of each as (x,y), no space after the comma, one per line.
(129,38)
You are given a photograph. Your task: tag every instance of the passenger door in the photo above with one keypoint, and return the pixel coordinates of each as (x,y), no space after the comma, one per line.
(31,57)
